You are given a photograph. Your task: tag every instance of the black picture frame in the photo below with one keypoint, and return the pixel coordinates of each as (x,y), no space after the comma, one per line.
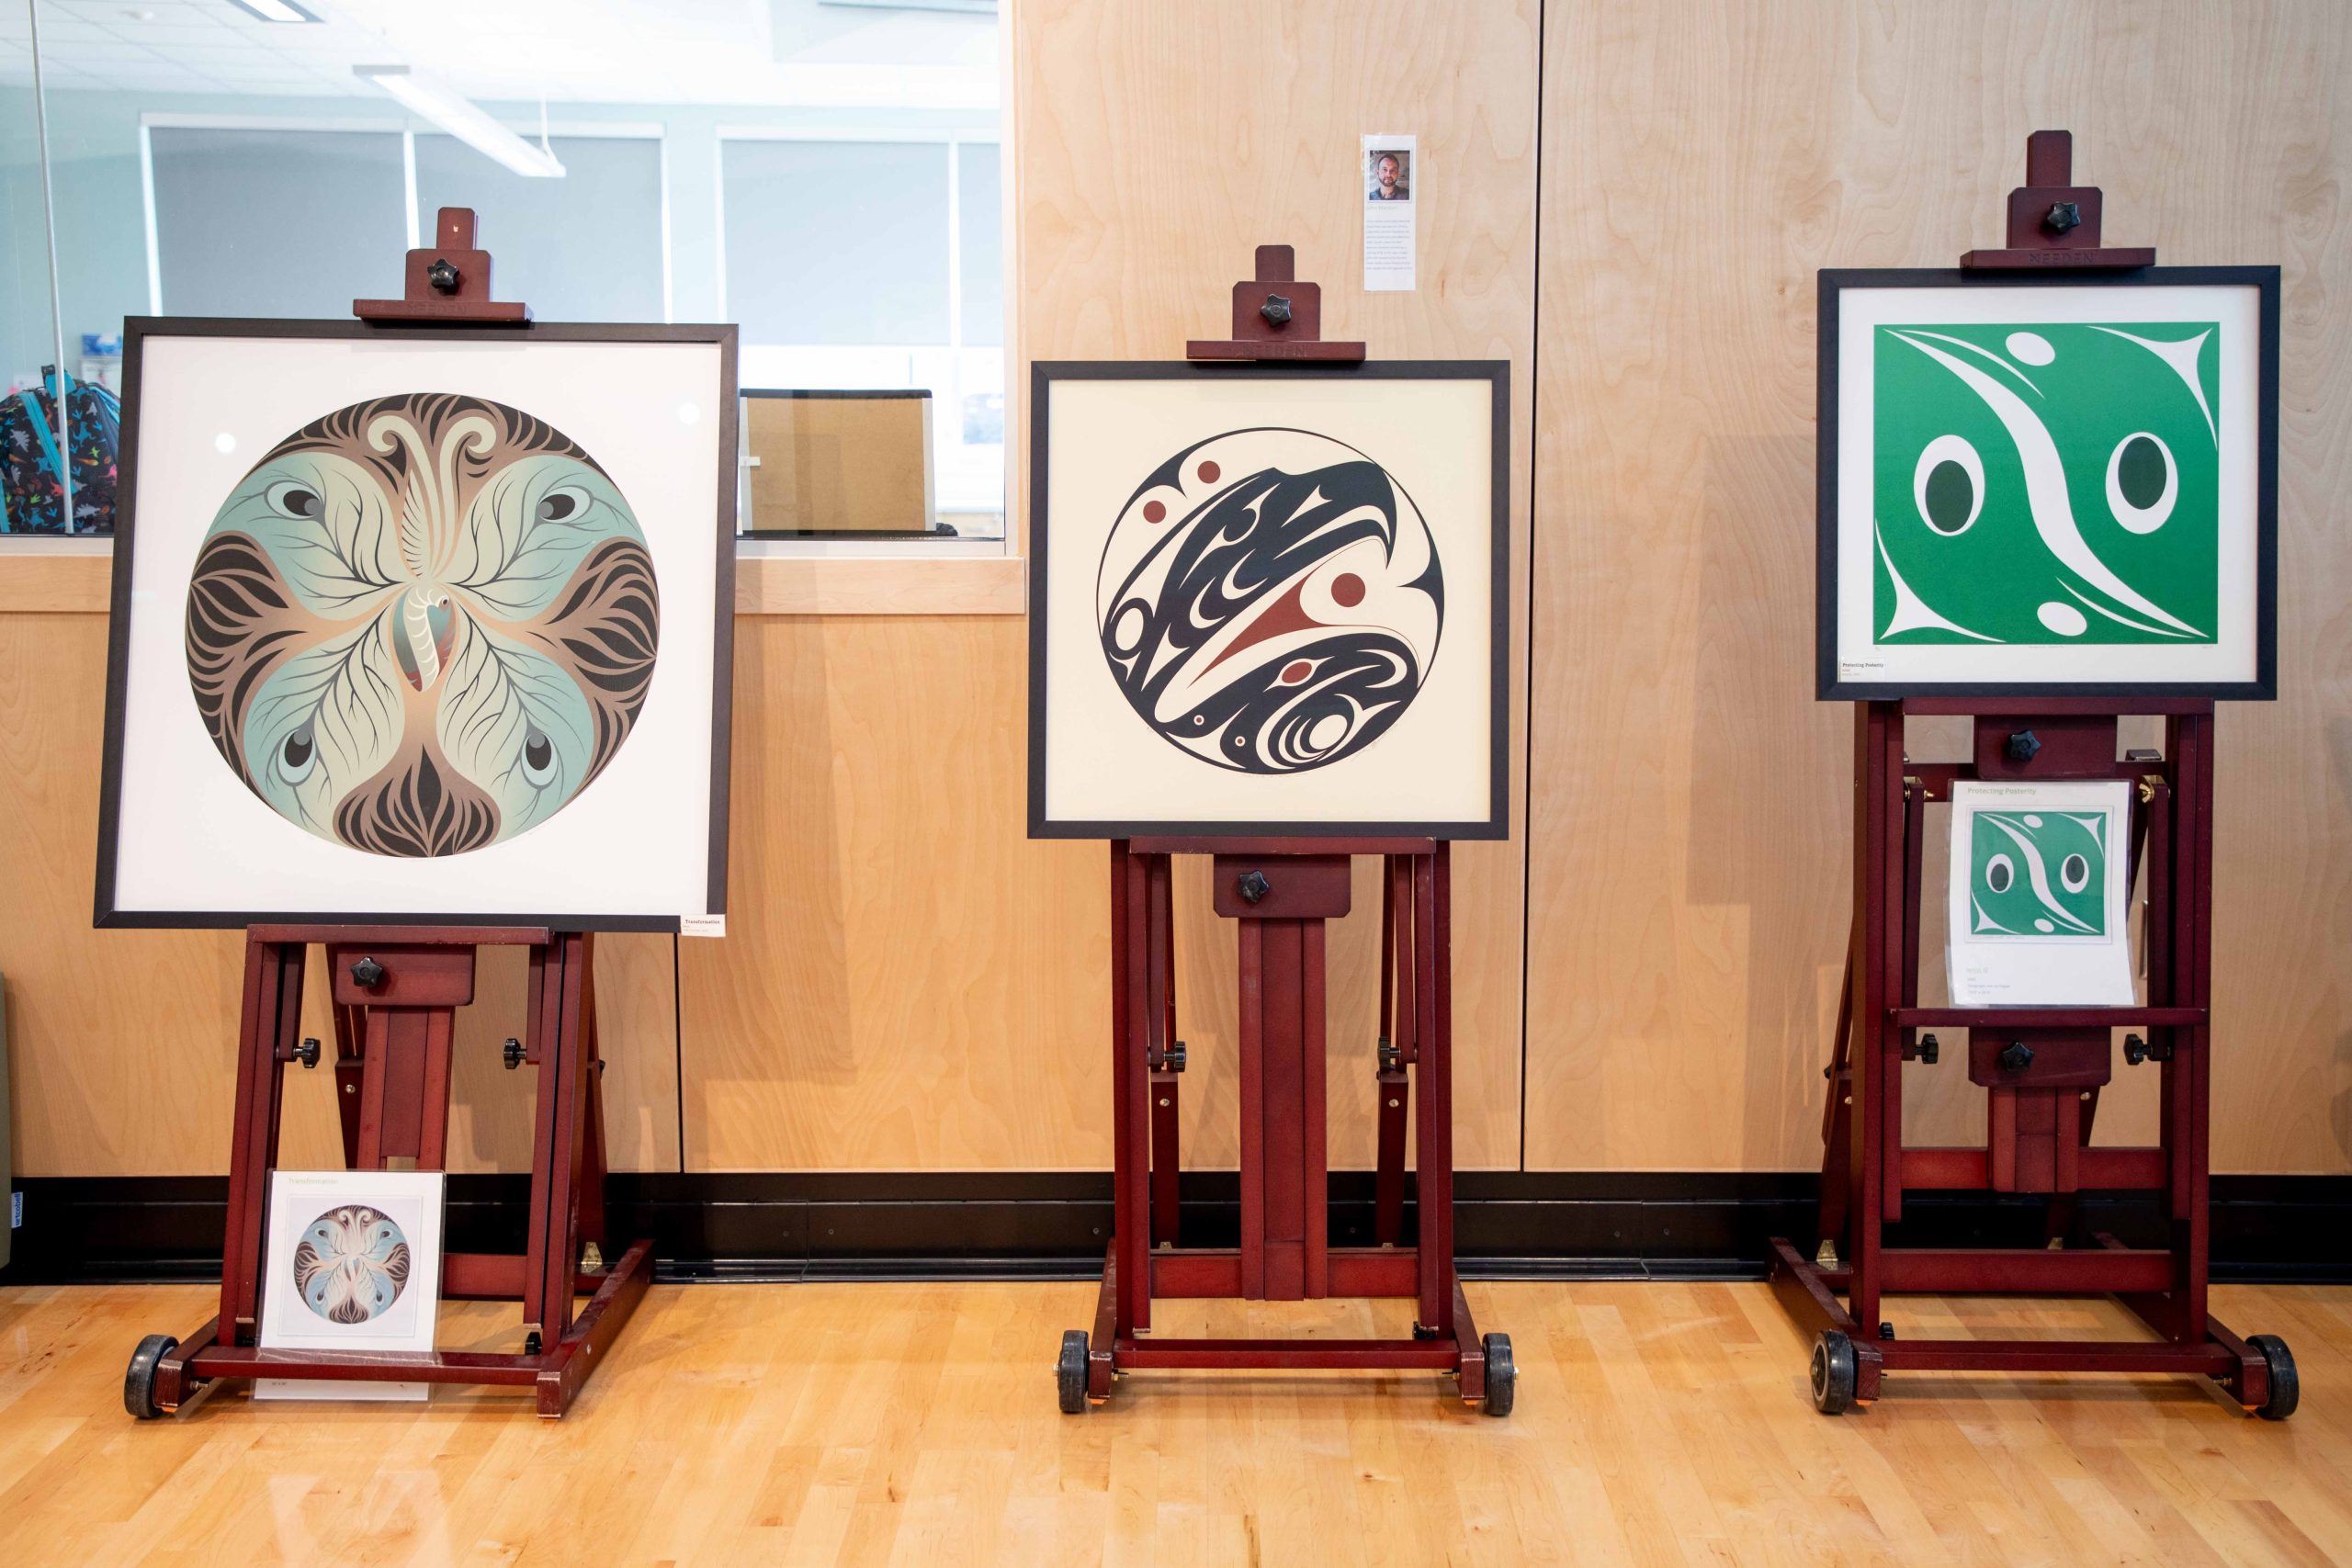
(137,331)
(1830,686)
(1495,373)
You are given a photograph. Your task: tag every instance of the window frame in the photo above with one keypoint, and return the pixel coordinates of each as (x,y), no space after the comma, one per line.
(1006,542)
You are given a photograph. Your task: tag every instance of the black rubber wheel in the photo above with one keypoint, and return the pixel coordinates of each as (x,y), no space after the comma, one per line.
(138,1378)
(532,1344)
(1502,1377)
(1069,1372)
(1833,1373)
(2284,1392)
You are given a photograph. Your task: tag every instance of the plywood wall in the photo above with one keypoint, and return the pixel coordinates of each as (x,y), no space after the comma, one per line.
(1688,886)
(908,983)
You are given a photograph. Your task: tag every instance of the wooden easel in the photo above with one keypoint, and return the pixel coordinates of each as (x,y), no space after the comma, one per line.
(1280,891)
(395,991)
(2042,1068)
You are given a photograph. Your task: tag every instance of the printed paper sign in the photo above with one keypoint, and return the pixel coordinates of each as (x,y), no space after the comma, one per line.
(2038,900)
(1392,188)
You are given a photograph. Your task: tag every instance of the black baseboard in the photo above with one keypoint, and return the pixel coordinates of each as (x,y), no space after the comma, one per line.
(1507,1224)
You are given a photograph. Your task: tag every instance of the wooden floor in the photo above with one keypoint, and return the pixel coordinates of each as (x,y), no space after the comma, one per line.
(1657,1424)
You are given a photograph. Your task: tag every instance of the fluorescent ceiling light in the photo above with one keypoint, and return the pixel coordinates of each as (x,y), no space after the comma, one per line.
(463,119)
(274,10)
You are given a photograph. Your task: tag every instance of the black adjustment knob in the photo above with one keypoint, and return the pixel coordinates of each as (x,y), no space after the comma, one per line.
(1253,886)
(2062,215)
(1276,309)
(1176,1057)
(2016,1056)
(1391,1059)
(367,973)
(443,275)
(2024,745)
(2135,1050)
(307,1053)
(1929,1052)
(512,1052)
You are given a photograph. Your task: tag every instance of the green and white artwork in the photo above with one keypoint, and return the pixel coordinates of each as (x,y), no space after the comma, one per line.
(2052,484)
(2042,485)
(2037,902)
(2038,873)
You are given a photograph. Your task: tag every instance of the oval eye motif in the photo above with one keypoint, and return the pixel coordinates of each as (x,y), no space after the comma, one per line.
(292,498)
(538,757)
(1999,873)
(2073,873)
(298,756)
(1948,485)
(2143,482)
(562,505)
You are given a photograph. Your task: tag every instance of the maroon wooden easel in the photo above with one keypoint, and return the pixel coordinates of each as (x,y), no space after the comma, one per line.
(2042,1068)
(1280,892)
(395,992)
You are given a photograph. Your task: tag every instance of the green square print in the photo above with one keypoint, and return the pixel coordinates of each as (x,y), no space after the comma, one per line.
(2038,873)
(2047,483)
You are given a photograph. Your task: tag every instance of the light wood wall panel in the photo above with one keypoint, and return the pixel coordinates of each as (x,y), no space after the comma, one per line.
(123,1044)
(907,983)
(1689,871)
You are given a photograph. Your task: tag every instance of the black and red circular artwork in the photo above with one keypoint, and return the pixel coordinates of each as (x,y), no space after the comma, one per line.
(1270,600)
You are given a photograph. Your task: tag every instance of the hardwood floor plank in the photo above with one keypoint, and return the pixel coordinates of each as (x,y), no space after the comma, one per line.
(1658,1423)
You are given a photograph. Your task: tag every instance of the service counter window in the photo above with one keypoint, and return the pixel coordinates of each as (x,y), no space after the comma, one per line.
(867,276)
(827,176)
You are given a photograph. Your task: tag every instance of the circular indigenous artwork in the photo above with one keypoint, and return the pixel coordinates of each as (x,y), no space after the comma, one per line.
(1270,601)
(422,624)
(351,1265)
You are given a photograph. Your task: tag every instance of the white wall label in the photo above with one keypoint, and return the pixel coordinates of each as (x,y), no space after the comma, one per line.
(702,925)
(1392,185)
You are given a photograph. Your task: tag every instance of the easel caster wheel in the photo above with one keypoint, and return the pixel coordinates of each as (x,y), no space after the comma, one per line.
(1069,1372)
(1502,1377)
(1833,1373)
(139,1379)
(532,1344)
(2284,1392)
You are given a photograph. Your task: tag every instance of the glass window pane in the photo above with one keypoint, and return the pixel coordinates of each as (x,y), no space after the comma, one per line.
(586,247)
(980,217)
(276,223)
(837,242)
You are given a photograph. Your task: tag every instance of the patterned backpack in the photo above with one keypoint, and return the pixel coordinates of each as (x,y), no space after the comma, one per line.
(30,465)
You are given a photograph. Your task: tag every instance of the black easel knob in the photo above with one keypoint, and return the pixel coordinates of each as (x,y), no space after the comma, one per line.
(443,275)
(2062,215)
(513,1053)
(2023,746)
(1253,885)
(1276,309)
(368,974)
(2016,1056)
(1929,1052)
(307,1053)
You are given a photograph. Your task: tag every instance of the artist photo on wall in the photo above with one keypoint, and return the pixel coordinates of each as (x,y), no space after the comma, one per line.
(1391,177)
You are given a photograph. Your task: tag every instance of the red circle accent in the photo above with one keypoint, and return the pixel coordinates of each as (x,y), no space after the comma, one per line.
(1348,588)
(1295,672)
(1209,472)
(1153,512)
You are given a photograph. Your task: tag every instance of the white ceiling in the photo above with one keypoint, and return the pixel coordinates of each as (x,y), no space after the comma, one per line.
(652,51)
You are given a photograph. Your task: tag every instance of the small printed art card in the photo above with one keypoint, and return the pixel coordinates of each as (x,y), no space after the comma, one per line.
(2038,901)
(353,1262)
(2029,486)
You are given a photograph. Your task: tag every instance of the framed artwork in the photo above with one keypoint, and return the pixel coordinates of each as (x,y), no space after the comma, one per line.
(420,625)
(1268,600)
(351,1261)
(2038,901)
(2034,483)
